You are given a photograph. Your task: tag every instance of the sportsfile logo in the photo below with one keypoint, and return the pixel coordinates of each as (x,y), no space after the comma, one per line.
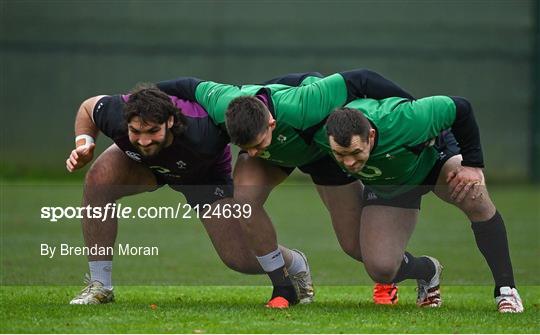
(119,211)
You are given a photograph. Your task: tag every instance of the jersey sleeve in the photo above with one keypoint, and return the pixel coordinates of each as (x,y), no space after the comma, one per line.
(467,133)
(306,106)
(181,87)
(215,98)
(296,79)
(424,119)
(363,83)
(108,116)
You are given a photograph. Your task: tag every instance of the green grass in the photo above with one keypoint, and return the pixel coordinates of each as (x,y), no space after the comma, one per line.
(217,309)
(182,280)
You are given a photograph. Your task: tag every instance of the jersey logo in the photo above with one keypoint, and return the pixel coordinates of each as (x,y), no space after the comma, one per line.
(282,138)
(265,154)
(181,165)
(133,155)
(371,196)
(370,172)
(388,156)
(99,106)
(160,169)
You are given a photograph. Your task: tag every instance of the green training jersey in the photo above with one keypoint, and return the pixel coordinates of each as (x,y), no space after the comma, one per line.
(403,154)
(295,109)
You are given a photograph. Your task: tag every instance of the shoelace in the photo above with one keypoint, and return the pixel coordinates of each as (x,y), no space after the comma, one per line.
(89,284)
(298,276)
(383,290)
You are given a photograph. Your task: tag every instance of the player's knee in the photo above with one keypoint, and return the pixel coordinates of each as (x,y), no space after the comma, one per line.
(95,175)
(477,210)
(351,248)
(97,183)
(382,272)
(249,195)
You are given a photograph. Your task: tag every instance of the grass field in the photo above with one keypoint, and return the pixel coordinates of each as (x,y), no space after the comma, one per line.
(217,309)
(195,293)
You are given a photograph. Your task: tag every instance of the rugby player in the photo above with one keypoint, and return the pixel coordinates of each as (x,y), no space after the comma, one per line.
(402,149)
(277,142)
(160,140)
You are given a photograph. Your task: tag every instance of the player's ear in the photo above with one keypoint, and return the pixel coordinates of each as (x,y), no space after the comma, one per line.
(372,133)
(271,122)
(170,122)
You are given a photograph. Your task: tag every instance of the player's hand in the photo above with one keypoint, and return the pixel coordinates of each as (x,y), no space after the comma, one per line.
(80,156)
(465,180)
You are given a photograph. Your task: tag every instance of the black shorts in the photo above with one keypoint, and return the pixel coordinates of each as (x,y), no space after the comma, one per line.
(448,147)
(207,192)
(215,186)
(324,172)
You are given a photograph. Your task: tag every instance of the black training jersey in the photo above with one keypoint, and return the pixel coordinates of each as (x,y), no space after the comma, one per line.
(200,154)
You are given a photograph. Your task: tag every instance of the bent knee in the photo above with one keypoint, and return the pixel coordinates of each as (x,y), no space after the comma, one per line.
(253,195)
(98,185)
(352,249)
(477,210)
(98,174)
(383,272)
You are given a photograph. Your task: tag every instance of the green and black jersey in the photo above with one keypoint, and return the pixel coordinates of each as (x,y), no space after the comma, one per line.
(299,111)
(295,109)
(403,154)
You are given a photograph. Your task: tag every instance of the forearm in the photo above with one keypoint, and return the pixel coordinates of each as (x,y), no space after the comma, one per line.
(364,83)
(467,133)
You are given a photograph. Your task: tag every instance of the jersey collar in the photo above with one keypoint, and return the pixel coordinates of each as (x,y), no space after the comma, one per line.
(264,95)
(376,136)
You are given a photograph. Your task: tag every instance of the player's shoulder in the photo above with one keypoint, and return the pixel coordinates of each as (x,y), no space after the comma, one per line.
(108,102)
(107,114)
(92,101)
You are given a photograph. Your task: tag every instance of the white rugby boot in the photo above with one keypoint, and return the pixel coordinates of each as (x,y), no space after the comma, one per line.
(94,293)
(429,294)
(302,282)
(509,301)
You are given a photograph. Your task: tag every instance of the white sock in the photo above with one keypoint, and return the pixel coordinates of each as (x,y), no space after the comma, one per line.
(297,264)
(271,261)
(102,272)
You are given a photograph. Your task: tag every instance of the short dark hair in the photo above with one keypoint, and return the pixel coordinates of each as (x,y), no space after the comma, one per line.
(344,123)
(152,105)
(246,117)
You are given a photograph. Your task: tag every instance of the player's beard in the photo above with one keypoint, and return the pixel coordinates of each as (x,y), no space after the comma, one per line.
(155,147)
(151,150)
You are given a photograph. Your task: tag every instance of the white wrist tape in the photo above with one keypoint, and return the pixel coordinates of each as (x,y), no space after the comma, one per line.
(87,139)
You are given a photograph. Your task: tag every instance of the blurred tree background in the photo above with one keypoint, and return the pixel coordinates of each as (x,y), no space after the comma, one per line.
(55,54)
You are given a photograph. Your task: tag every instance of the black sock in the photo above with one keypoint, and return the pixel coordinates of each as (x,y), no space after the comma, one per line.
(415,268)
(491,240)
(283,286)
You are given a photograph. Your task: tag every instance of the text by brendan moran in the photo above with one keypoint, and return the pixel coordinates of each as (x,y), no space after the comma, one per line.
(65,249)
